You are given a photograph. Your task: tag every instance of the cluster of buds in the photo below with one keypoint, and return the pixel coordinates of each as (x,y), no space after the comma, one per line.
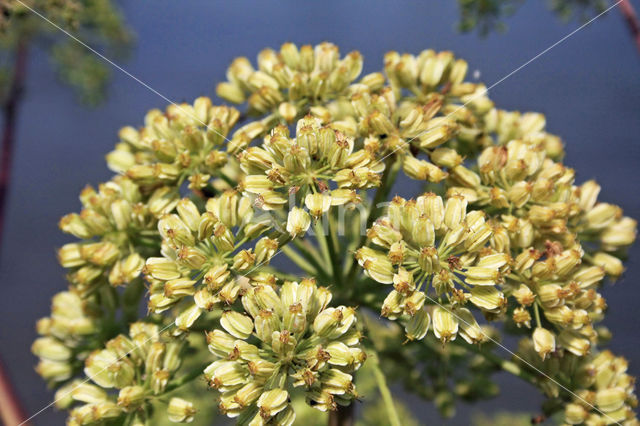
(287,337)
(604,224)
(430,243)
(140,366)
(606,395)
(519,175)
(556,283)
(436,81)
(186,142)
(202,256)
(115,225)
(602,392)
(504,126)
(303,166)
(400,128)
(542,218)
(66,336)
(290,81)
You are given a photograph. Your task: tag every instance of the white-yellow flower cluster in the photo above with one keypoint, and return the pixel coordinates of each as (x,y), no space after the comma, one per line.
(200,207)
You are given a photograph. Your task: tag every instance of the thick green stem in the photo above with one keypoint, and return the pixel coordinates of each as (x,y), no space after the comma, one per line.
(392,414)
(187,378)
(504,364)
(392,166)
(334,253)
(299,260)
(321,237)
(309,252)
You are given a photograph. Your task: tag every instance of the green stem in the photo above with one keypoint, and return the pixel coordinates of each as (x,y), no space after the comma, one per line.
(187,378)
(299,260)
(504,364)
(334,253)
(131,300)
(536,312)
(392,166)
(394,420)
(321,269)
(324,245)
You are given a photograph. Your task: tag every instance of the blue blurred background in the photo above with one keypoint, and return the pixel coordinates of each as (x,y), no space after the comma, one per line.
(588,87)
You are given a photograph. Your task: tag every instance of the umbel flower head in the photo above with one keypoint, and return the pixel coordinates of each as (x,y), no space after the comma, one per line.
(306,166)
(202,259)
(288,338)
(432,244)
(66,335)
(114,225)
(184,143)
(199,208)
(602,392)
(140,367)
(290,81)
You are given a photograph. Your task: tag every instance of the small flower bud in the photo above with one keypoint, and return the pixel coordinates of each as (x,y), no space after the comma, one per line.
(469,329)
(51,349)
(220,343)
(272,402)
(336,382)
(611,399)
(186,319)
(544,342)
(376,264)
(487,297)
(54,370)
(70,255)
(574,342)
(298,222)
(611,264)
(417,327)
(161,268)
(189,213)
(131,397)
(422,170)
(89,393)
(180,411)
(445,324)
(521,317)
(317,204)
(243,260)
(439,130)
(454,212)
(237,324)
(575,414)
(619,234)
(524,295)
(230,92)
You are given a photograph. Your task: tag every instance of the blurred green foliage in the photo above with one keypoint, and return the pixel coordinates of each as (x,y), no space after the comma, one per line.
(486,16)
(99,23)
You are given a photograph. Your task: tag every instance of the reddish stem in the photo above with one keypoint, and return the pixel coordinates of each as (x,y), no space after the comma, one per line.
(632,20)
(10,114)
(11,411)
